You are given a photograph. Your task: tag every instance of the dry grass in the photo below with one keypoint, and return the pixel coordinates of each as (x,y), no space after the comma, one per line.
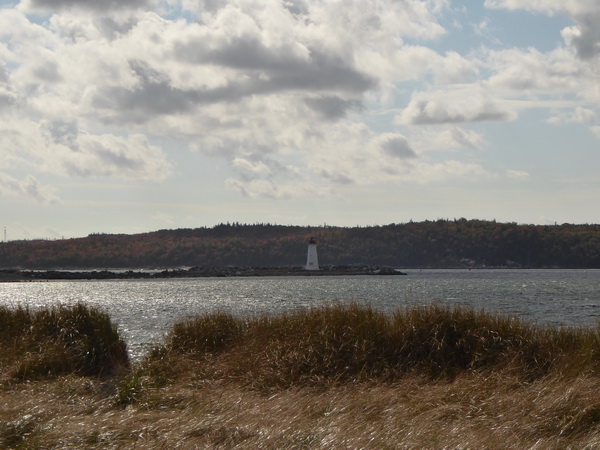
(341,344)
(330,378)
(472,411)
(60,340)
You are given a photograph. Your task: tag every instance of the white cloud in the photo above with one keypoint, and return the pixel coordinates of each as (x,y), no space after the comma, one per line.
(447,137)
(578,115)
(278,89)
(261,188)
(530,71)
(454,106)
(7,96)
(519,175)
(108,155)
(367,158)
(451,170)
(253,167)
(259,83)
(28,187)
(59,147)
(83,5)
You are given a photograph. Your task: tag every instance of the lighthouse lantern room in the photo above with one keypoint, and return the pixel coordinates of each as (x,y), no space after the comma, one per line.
(312,261)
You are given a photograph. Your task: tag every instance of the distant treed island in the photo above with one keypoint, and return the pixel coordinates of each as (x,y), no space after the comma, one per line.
(429,244)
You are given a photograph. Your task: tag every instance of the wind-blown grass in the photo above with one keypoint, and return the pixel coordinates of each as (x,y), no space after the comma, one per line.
(332,377)
(61,340)
(354,343)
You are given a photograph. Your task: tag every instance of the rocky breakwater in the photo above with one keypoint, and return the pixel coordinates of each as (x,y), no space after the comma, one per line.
(193,272)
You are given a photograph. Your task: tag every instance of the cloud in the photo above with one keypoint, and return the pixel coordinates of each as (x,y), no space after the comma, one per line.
(257,175)
(447,137)
(33,188)
(255,168)
(28,187)
(107,155)
(93,5)
(530,71)
(396,146)
(450,170)
(274,69)
(60,147)
(261,188)
(332,108)
(517,175)
(458,137)
(578,115)
(269,179)
(277,89)
(7,96)
(192,66)
(259,84)
(336,177)
(453,106)
(368,158)
(575,7)
(584,37)
(153,96)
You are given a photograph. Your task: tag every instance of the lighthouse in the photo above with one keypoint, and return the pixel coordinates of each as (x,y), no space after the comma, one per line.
(312,261)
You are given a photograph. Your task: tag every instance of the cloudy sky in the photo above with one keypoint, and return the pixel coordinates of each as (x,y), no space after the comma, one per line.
(123,116)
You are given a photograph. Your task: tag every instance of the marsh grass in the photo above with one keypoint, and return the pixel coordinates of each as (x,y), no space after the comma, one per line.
(61,340)
(340,344)
(333,377)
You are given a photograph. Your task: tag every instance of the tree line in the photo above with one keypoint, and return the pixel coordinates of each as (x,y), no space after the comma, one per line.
(428,244)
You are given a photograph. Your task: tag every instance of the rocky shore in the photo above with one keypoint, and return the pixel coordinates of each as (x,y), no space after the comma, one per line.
(193,272)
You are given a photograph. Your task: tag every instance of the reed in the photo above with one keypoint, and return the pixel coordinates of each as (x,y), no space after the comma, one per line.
(60,340)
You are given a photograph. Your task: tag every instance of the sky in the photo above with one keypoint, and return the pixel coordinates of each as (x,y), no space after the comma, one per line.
(127,116)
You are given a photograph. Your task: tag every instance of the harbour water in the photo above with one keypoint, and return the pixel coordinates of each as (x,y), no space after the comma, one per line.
(144,310)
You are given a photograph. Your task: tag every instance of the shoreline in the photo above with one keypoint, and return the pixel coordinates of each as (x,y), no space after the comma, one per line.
(194,272)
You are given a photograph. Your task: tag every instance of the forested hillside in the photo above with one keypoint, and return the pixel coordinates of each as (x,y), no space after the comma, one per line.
(442,243)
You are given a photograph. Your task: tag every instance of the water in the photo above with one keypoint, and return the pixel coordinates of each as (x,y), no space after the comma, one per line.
(144,310)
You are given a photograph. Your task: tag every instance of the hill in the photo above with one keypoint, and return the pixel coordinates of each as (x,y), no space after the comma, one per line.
(433,244)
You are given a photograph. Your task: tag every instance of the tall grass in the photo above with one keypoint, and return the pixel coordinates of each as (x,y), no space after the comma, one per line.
(359,379)
(59,340)
(340,344)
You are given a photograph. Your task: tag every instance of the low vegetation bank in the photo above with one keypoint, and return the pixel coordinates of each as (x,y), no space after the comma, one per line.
(337,376)
(340,344)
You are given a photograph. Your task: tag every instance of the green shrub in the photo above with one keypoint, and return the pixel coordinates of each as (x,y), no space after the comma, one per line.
(129,389)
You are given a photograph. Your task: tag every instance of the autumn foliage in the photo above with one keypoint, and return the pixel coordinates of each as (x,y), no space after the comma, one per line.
(441,243)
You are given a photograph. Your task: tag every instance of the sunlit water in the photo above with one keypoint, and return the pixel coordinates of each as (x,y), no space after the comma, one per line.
(144,310)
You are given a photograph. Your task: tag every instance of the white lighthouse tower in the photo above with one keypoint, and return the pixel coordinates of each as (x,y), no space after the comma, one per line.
(312,261)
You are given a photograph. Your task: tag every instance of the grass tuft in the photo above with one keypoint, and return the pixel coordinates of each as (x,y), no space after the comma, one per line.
(78,339)
(206,334)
